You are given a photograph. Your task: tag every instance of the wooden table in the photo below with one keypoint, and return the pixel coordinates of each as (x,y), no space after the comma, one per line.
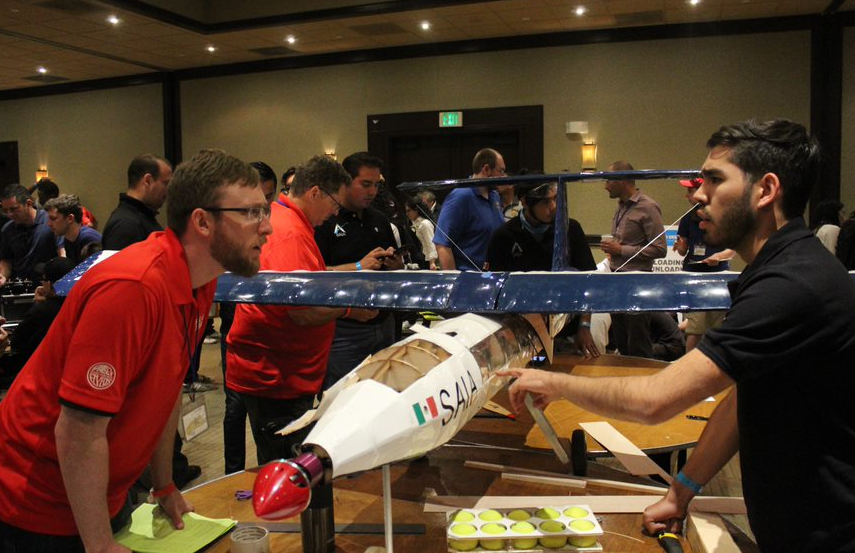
(674,434)
(487,438)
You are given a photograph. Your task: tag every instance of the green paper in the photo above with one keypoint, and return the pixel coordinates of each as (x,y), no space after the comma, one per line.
(151,531)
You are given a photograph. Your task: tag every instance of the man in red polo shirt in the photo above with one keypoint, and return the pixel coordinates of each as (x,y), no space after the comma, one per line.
(99,399)
(277,355)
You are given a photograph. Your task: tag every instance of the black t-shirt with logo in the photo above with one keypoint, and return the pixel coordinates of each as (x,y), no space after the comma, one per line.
(789,343)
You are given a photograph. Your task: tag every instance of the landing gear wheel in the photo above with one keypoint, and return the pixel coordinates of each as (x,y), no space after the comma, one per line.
(579,452)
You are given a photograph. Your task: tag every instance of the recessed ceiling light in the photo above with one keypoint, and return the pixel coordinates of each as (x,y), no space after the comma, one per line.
(211,48)
(694,2)
(41,69)
(526,19)
(425,25)
(113,20)
(580,10)
(290,39)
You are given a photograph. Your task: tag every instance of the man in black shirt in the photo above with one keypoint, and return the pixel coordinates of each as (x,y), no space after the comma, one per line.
(526,243)
(135,216)
(358,238)
(131,222)
(787,343)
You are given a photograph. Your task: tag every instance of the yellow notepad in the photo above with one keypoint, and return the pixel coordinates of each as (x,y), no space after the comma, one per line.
(151,531)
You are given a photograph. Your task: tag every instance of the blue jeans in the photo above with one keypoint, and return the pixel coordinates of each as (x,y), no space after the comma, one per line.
(353,342)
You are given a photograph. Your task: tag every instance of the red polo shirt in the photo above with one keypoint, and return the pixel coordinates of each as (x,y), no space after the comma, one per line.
(268,354)
(120,347)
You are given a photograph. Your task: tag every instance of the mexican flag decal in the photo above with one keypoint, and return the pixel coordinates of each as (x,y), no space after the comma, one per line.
(425,411)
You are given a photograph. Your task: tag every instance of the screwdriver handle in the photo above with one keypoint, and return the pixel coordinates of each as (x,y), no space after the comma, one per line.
(670,542)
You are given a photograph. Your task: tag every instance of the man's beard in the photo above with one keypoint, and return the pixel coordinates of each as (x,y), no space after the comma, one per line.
(227,252)
(735,224)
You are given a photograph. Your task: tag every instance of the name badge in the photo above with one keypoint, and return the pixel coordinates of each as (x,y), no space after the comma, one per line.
(699,249)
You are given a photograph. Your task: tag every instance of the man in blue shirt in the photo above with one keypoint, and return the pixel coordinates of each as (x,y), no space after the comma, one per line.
(64,218)
(26,238)
(470,216)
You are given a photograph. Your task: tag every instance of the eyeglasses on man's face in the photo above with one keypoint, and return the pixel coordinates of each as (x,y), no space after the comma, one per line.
(254,214)
(338,203)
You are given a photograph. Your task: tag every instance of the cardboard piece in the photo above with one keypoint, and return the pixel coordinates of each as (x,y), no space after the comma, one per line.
(629,454)
(708,534)
(599,503)
(559,481)
(614,484)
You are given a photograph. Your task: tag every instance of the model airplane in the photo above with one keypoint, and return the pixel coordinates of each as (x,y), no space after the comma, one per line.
(417,394)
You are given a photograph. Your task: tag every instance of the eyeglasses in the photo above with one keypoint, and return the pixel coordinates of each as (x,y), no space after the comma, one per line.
(332,198)
(255,214)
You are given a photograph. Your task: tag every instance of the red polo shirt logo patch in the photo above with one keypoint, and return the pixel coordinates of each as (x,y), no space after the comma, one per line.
(101,376)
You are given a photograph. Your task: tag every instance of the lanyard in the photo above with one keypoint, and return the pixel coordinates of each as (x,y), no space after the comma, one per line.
(619,217)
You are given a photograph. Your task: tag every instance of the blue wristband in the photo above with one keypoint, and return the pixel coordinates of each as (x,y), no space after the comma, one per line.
(689,483)
(358,266)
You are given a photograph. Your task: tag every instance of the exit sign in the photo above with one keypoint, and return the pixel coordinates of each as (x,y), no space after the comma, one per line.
(450,119)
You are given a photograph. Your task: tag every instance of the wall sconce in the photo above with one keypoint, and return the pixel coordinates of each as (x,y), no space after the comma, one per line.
(589,156)
(331,154)
(575,128)
(42,173)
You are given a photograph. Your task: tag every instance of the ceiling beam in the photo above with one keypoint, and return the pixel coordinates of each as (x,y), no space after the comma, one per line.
(170,17)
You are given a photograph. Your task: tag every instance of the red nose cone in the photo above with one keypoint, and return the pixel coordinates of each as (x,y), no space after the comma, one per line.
(281,490)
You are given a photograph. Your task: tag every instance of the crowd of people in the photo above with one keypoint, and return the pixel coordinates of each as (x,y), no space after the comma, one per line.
(105,415)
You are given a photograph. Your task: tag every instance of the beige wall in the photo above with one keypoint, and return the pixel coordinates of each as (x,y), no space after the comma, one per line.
(86,140)
(653,102)
(847,145)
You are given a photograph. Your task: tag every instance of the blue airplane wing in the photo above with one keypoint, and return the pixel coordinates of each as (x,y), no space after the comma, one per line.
(470,292)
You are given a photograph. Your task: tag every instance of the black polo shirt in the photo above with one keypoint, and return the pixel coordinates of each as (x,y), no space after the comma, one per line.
(345,238)
(513,248)
(131,222)
(789,343)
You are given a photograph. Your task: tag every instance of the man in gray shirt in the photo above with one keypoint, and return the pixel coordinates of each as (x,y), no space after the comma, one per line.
(638,238)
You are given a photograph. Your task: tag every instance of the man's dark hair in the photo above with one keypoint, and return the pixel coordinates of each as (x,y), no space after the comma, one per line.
(198,182)
(264,171)
(286,175)
(142,164)
(46,190)
(321,171)
(779,146)
(65,205)
(532,193)
(826,212)
(419,206)
(15,191)
(354,162)
(485,156)
(416,205)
